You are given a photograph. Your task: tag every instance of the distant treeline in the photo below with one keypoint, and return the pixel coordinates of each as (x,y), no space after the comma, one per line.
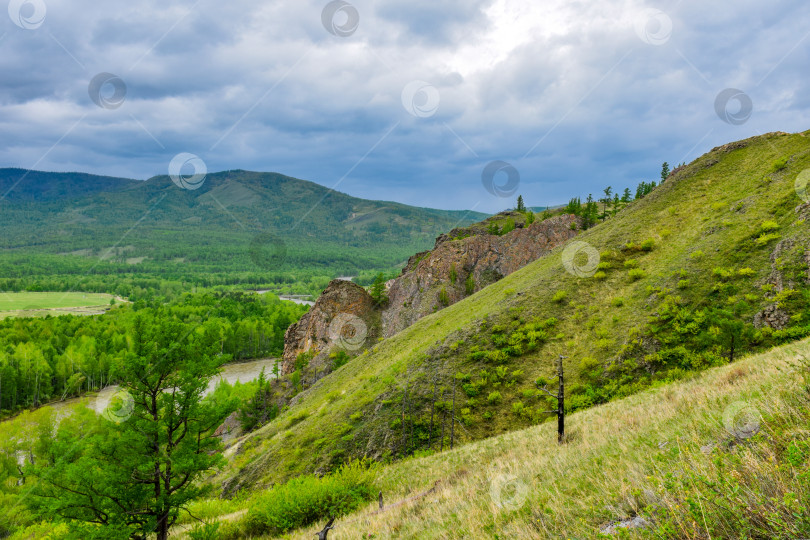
(58,357)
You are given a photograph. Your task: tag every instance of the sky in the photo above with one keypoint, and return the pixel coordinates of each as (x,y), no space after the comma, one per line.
(456,104)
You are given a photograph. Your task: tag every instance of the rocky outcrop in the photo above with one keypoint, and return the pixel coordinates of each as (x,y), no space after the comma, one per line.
(230,429)
(457,267)
(772,316)
(345,317)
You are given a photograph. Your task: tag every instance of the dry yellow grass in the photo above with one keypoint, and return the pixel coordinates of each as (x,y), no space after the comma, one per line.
(523,485)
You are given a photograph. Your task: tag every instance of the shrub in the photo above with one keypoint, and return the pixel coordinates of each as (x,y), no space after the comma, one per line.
(684,283)
(631,263)
(559,296)
(723,274)
(648,245)
(309,499)
(697,254)
(745,272)
(636,274)
(768,226)
(766,238)
(617,302)
(494,397)
(497,357)
(444,298)
(469,284)
(453,274)
(600,275)
(780,164)
(339,358)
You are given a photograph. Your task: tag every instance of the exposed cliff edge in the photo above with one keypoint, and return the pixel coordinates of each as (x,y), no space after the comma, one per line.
(345,317)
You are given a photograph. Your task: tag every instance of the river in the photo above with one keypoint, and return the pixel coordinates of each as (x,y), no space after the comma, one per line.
(242,372)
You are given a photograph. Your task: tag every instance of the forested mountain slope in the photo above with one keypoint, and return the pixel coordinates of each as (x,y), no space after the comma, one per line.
(85,232)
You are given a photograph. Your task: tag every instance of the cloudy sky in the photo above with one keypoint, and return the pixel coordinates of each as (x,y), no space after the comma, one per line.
(400,100)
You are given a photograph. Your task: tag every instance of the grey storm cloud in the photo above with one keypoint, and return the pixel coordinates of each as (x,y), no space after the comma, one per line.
(575,95)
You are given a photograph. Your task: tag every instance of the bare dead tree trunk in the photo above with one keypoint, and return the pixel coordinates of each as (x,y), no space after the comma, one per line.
(453,416)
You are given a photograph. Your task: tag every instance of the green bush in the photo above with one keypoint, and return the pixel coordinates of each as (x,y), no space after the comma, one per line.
(469,284)
(494,397)
(768,226)
(600,275)
(509,226)
(766,238)
(648,245)
(559,296)
(780,164)
(309,499)
(636,274)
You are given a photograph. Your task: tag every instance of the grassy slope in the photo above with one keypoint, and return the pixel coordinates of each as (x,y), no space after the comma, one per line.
(699,210)
(644,455)
(613,467)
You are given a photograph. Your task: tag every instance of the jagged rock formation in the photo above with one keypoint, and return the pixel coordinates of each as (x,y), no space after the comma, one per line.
(463,261)
(438,278)
(345,316)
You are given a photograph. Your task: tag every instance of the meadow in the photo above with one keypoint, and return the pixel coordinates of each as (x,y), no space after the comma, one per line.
(39,304)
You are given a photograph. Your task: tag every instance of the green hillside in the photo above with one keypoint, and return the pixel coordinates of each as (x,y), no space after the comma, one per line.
(73,231)
(683,273)
(722,455)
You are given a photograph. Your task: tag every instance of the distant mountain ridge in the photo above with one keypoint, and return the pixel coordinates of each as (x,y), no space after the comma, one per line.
(238,227)
(24,184)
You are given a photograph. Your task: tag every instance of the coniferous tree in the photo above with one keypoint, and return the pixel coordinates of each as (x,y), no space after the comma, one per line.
(574,207)
(608,191)
(377,291)
(520,206)
(590,213)
(664,172)
(133,470)
(627,196)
